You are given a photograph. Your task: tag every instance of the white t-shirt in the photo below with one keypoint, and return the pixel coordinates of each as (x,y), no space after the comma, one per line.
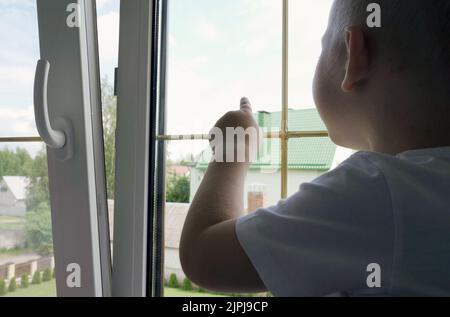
(391,211)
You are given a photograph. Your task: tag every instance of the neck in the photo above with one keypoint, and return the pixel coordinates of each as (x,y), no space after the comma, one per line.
(393,144)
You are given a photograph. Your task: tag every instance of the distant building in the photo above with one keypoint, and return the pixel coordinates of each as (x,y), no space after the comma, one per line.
(175,216)
(178,170)
(12,195)
(308,158)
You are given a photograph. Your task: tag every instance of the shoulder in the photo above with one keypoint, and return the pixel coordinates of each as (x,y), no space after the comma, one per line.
(333,226)
(357,178)
(354,192)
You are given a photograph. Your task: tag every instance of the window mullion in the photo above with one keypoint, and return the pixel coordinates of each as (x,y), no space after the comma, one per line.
(285,101)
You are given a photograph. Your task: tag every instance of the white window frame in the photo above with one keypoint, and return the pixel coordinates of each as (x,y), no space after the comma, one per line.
(140,178)
(132,149)
(76,171)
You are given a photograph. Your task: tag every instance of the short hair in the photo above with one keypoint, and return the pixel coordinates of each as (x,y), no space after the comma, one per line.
(415,34)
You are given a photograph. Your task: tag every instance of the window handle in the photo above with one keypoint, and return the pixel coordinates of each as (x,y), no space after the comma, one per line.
(54,139)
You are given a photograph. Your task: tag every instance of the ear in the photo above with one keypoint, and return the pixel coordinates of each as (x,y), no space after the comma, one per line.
(357,66)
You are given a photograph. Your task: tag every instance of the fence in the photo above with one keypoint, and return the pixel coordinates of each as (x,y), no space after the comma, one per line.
(11,270)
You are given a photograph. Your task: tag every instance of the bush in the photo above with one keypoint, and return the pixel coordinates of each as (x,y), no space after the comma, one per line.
(178,189)
(12,285)
(36,278)
(2,287)
(24,281)
(187,285)
(173,281)
(39,229)
(53,273)
(47,275)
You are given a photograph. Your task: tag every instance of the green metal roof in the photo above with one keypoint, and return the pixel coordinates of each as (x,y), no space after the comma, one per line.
(304,153)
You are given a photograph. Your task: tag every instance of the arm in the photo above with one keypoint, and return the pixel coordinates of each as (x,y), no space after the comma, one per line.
(210,252)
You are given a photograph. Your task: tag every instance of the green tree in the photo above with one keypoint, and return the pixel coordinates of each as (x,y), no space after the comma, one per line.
(173,281)
(47,275)
(37,189)
(36,278)
(12,285)
(109,102)
(39,229)
(2,287)
(187,285)
(14,162)
(178,189)
(24,281)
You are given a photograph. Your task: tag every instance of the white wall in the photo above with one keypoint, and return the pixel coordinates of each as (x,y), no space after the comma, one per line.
(9,206)
(10,239)
(6,198)
(271,180)
(172,264)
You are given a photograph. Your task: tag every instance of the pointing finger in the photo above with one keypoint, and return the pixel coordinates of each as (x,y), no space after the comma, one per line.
(246,105)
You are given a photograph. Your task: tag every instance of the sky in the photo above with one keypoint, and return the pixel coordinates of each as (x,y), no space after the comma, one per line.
(19,54)
(218,51)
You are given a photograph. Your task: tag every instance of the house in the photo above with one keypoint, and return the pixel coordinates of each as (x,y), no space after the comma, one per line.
(174,218)
(12,195)
(308,158)
(178,170)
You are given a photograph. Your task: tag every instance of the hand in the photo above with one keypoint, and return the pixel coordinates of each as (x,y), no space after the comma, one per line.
(236,137)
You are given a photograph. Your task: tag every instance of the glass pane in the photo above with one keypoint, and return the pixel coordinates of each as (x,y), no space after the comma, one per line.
(19,54)
(26,245)
(186,164)
(308,20)
(308,159)
(108,17)
(218,52)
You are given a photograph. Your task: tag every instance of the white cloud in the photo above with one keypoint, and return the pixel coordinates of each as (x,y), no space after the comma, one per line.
(102,3)
(207,30)
(256,46)
(16,76)
(108,38)
(308,22)
(207,79)
(172,40)
(17,122)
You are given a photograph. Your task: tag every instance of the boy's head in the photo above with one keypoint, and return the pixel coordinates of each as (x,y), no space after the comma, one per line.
(375,86)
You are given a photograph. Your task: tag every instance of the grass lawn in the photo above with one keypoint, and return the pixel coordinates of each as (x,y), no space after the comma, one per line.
(45,289)
(175,292)
(12,223)
(12,226)
(13,252)
(12,219)
(48,289)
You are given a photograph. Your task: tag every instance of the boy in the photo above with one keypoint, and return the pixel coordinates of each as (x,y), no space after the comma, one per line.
(386,210)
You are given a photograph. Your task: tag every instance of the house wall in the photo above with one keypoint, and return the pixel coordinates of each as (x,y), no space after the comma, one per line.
(172,264)
(10,239)
(9,206)
(271,181)
(6,198)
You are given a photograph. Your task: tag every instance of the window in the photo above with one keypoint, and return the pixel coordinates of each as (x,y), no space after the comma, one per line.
(307,157)
(40,221)
(202,57)
(217,52)
(26,244)
(108,18)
